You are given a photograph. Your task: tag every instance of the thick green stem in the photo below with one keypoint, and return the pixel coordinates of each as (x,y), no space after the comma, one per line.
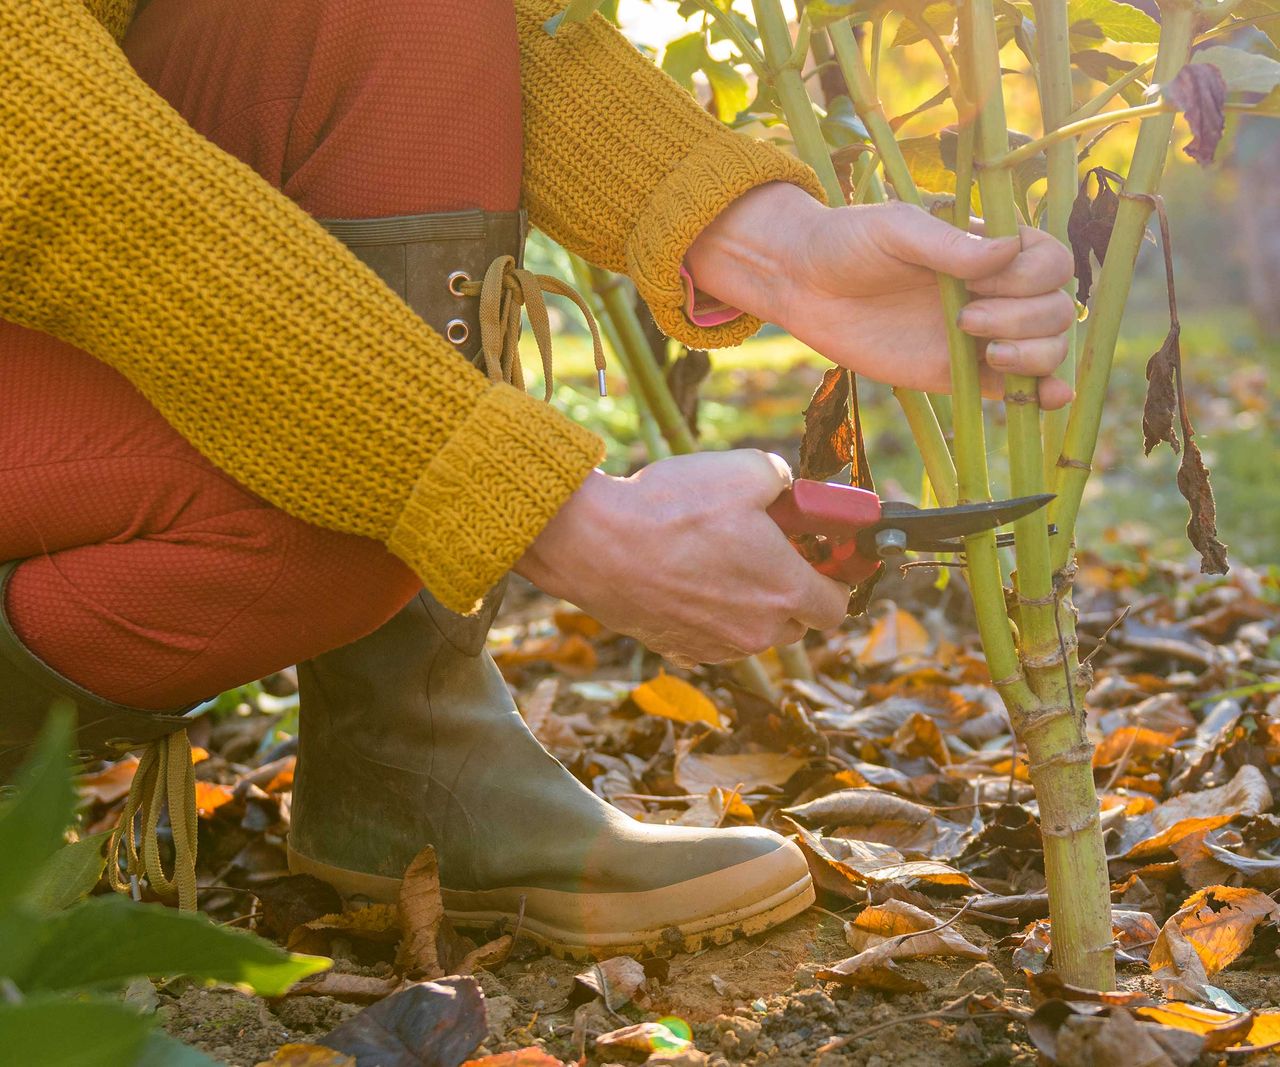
(812,147)
(1060,755)
(1112,287)
(642,371)
(1007,159)
(1054,52)
(646,425)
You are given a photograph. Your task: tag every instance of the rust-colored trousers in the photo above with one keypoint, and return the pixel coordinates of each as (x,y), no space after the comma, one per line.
(149,576)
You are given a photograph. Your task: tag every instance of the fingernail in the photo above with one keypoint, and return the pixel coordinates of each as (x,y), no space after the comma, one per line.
(1001,355)
(973,320)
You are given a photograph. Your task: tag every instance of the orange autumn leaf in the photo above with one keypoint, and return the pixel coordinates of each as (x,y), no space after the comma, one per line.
(303,1055)
(913,932)
(1220,1029)
(572,654)
(1135,743)
(210,796)
(674,698)
(895,635)
(109,784)
(521,1057)
(1218,922)
(1149,835)
(1264,1033)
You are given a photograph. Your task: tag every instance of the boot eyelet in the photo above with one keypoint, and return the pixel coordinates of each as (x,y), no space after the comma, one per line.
(456,280)
(120,744)
(8,792)
(457,331)
(81,755)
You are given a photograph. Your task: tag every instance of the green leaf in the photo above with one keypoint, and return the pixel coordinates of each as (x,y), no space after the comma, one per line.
(58,1032)
(107,940)
(1112,20)
(825,12)
(841,125)
(924,161)
(941,17)
(684,57)
(161,1050)
(729,89)
(32,824)
(577,11)
(1259,9)
(1244,72)
(70,874)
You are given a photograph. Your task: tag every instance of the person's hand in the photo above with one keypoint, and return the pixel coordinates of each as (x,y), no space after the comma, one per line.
(683,557)
(858,285)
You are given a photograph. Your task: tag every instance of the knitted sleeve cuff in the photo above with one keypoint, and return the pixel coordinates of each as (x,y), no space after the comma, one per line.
(489,492)
(702,185)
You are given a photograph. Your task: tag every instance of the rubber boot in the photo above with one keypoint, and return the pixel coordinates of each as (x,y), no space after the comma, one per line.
(409,738)
(29,688)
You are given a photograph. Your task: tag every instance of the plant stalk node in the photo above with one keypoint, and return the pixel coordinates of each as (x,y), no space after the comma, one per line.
(1081,753)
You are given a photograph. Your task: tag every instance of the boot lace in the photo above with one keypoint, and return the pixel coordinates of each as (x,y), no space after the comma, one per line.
(506,289)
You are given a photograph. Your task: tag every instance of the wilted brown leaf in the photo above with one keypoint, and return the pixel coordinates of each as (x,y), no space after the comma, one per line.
(378,924)
(1153,833)
(352,988)
(1090,224)
(1202,527)
(674,698)
(286,903)
(873,968)
(860,807)
(890,921)
(616,979)
(1163,371)
(429,948)
(1217,922)
(832,431)
(1090,1035)
(1200,91)
(749,771)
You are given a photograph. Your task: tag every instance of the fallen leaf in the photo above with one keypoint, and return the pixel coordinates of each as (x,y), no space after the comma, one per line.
(889,921)
(109,784)
(748,771)
(429,1024)
(570,653)
(429,947)
(644,1037)
(210,796)
(378,923)
(1032,954)
(1200,92)
(1153,833)
(286,903)
(1264,1033)
(1135,743)
(522,1057)
(1050,986)
(873,968)
(1220,1029)
(352,988)
(616,980)
(489,955)
(860,807)
(1218,923)
(299,1055)
(895,635)
(673,698)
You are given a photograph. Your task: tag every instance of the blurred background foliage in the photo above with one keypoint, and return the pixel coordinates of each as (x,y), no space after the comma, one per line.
(1226,237)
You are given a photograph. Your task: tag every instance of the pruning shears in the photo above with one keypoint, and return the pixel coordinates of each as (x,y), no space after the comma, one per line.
(846,532)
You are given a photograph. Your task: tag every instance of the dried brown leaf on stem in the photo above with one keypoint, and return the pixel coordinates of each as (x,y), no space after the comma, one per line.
(833,432)
(1165,397)
(1200,92)
(1090,224)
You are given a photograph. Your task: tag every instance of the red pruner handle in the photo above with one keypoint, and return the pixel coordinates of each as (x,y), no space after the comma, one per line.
(836,512)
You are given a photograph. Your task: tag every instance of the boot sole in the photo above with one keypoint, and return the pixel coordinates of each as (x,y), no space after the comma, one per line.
(555,919)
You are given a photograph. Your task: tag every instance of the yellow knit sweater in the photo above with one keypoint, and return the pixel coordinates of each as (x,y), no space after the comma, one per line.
(272,349)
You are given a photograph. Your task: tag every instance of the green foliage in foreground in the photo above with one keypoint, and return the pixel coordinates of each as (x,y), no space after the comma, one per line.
(65,957)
